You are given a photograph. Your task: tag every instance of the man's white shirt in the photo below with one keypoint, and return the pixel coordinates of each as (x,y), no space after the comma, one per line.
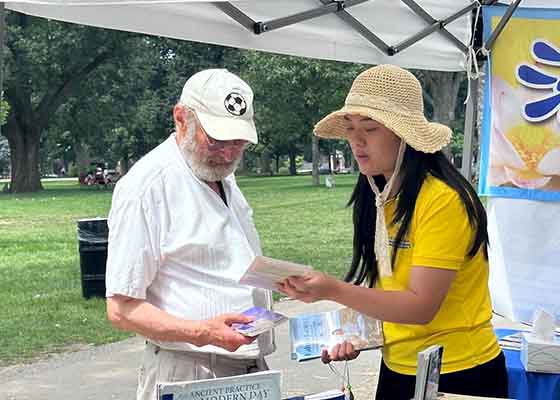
(175,243)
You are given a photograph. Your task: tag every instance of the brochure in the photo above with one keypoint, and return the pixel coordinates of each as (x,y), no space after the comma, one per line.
(266,273)
(264,320)
(427,373)
(264,385)
(311,333)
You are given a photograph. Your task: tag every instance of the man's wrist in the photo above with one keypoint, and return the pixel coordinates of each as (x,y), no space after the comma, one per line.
(200,333)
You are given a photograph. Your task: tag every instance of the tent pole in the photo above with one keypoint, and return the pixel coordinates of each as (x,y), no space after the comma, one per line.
(361,29)
(237,15)
(338,8)
(414,6)
(470,128)
(501,25)
(329,7)
(437,25)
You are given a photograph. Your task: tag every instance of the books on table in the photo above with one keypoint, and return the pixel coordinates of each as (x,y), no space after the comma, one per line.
(264,321)
(427,373)
(264,385)
(311,333)
(334,394)
(266,273)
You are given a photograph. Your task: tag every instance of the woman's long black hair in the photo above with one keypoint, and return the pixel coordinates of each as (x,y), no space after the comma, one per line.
(414,170)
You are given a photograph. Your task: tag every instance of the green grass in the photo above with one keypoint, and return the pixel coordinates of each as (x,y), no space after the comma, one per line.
(42,306)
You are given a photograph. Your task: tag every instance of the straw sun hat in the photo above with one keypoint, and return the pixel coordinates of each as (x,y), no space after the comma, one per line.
(391,96)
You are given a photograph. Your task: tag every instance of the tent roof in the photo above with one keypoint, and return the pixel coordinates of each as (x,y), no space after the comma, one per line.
(329,36)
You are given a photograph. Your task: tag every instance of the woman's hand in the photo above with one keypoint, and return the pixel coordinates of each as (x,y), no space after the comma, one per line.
(340,352)
(311,287)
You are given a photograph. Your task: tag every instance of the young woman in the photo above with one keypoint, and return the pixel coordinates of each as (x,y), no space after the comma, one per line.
(420,262)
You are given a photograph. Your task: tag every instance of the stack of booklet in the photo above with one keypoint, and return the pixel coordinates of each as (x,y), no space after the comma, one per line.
(264,320)
(311,333)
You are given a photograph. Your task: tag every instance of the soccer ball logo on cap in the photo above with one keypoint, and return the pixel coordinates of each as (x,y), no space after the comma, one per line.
(235,104)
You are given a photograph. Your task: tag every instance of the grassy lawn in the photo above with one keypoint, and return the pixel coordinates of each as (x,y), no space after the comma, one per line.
(42,306)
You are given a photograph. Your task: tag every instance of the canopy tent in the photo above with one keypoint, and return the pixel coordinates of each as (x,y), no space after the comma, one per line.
(355,30)
(423,34)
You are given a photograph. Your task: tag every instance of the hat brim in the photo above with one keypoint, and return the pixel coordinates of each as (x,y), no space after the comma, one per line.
(228,128)
(414,129)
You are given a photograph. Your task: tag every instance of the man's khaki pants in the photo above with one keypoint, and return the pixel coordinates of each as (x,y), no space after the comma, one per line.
(161,365)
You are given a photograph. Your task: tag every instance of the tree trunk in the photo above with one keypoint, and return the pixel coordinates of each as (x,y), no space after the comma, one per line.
(277,165)
(315,155)
(241,169)
(293,169)
(444,91)
(81,151)
(265,162)
(26,122)
(24,158)
(125,166)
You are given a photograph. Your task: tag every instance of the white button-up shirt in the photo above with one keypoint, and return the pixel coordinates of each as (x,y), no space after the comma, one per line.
(175,243)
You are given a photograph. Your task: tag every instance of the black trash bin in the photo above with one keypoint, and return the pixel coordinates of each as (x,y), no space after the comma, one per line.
(93,236)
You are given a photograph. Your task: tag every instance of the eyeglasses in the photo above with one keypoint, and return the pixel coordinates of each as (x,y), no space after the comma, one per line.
(215,144)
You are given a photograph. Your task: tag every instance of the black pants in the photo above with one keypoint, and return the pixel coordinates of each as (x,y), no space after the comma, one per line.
(489,379)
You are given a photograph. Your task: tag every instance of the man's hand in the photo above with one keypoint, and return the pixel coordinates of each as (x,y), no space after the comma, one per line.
(340,352)
(219,332)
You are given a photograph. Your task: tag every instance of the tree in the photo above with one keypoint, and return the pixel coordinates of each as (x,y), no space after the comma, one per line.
(47,61)
(124,109)
(291,95)
(441,92)
(4,156)
(4,147)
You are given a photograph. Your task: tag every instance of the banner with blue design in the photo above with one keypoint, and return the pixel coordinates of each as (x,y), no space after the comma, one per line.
(520,147)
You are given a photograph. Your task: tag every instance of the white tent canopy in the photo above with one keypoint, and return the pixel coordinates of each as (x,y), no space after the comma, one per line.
(333,35)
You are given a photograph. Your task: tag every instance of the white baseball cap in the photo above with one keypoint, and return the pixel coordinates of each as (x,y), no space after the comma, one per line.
(223,103)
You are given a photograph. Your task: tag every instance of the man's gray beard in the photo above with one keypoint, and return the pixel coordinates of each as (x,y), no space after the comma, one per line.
(200,168)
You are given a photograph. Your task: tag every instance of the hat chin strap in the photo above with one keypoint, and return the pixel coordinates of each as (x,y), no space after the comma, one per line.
(381,244)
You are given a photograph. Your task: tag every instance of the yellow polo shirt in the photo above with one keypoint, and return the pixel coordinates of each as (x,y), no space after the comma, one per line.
(439,237)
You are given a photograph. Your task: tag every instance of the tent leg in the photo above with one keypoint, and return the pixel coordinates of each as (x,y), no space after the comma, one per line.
(470,127)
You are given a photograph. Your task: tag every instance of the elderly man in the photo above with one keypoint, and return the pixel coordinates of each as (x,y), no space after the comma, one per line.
(181,234)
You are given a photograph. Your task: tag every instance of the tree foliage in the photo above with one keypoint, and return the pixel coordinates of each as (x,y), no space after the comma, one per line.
(291,95)
(81,94)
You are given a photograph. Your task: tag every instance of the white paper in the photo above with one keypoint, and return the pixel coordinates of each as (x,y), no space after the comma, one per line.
(524,257)
(266,272)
